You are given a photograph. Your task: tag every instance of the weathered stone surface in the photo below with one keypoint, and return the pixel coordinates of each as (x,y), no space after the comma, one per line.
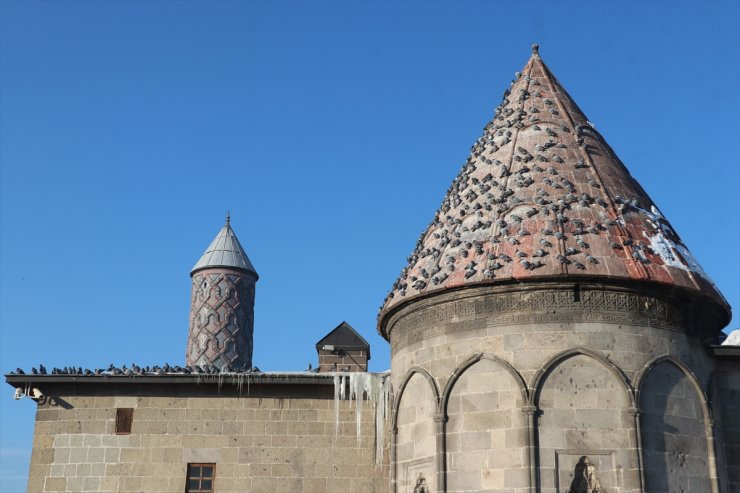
(542,195)
(578,372)
(674,432)
(260,442)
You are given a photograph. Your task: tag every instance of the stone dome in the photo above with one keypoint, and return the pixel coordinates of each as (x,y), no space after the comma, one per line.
(542,196)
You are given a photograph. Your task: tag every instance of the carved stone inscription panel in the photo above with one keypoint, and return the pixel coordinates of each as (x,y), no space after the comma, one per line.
(418,476)
(555,305)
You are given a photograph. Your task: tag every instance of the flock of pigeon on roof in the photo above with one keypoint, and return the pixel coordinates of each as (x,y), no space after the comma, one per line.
(136,370)
(541,194)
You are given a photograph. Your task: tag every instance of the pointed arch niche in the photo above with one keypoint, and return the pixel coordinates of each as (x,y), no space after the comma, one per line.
(674,421)
(416,445)
(584,405)
(486,439)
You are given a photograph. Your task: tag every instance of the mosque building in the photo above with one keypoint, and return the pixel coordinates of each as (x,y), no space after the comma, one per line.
(551,333)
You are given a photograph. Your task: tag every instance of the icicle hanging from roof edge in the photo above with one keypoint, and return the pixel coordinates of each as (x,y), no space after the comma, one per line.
(359,386)
(338,394)
(361,389)
(382,401)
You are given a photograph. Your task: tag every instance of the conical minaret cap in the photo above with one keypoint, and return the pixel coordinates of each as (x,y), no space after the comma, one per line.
(225,251)
(543,196)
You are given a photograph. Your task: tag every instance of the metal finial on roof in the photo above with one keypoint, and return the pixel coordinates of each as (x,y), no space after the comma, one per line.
(228,217)
(535,49)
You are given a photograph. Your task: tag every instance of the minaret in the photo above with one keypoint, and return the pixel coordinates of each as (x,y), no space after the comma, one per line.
(222,305)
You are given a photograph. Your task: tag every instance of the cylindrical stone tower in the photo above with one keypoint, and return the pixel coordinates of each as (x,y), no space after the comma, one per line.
(550,331)
(222,305)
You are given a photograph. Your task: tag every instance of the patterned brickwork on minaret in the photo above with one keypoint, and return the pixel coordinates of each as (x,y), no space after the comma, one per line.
(222,305)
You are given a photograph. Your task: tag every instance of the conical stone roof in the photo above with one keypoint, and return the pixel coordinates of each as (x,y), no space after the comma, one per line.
(225,251)
(542,196)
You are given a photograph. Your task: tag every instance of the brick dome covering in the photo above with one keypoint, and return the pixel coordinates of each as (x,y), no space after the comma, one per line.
(542,195)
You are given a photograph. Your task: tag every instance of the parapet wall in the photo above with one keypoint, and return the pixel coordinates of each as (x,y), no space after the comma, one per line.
(263,438)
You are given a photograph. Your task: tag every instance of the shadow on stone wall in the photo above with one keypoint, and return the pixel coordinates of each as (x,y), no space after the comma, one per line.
(673,436)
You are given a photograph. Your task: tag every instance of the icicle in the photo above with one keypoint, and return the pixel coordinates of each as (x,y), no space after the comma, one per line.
(356,380)
(360,386)
(337,397)
(382,405)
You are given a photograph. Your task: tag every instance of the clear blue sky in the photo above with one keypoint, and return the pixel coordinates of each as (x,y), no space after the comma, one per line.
(330,131)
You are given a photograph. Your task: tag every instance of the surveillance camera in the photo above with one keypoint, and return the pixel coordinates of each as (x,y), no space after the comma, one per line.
(18,394)
(36,394)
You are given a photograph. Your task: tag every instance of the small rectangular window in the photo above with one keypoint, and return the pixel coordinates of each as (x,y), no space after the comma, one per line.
(200,478)
(124,418)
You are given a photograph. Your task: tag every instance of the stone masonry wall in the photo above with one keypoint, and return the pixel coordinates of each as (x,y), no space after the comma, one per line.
(281,438)
(486,432)
(415,447)
(727,411)
(578,353)
(673,434)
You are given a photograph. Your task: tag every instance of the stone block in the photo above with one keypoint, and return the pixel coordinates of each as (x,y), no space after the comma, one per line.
(464,480)
(93,484)
(314,485)
(75,484)
(130,484)
(55,484)
(83,469)
(362,485)
(289,485)
(112,454)
(264,484)
(337,485)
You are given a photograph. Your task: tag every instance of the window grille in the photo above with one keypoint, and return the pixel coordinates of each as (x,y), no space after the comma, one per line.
(124,418)
(200,478)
